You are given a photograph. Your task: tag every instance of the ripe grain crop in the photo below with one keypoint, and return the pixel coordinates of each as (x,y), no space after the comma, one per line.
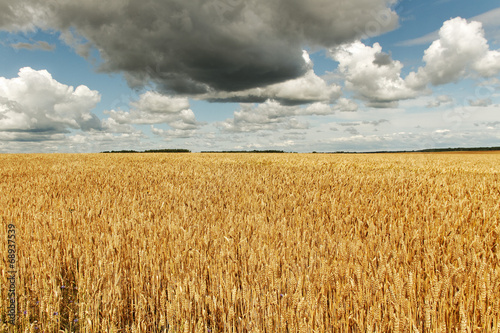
(252,242)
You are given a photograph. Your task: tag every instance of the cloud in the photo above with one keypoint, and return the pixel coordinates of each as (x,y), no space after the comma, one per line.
(40,45)
(426,39)
(295,124)
(293,136)
(204,46)
(351,130)
(271,115)
(346,105)
(20,16)
(439,100)
(173,134)
(34,106)
(382,59)
(266,116)
(349,124)
(376,122)
(320,109)
(155,108)
(110,125)
(490,21)
(490,84)
(372,74)
(309,88)
(461,50)
(491,125)
(155,103)
(482,102)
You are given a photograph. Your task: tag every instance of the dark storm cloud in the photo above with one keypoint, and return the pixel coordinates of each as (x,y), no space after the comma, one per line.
(199,46)
(261,99)
(10,19)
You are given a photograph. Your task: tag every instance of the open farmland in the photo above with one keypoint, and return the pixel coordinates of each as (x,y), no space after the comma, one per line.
(252,242)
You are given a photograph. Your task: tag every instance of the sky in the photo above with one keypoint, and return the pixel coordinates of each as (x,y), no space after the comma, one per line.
(210,75)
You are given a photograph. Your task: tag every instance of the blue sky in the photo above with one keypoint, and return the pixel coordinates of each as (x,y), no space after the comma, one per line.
(229,75)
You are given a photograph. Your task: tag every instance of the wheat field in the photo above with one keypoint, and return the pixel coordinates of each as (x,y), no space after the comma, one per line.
(252,242)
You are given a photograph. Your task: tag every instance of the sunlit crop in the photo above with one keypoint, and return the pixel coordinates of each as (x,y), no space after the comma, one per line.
(253,242)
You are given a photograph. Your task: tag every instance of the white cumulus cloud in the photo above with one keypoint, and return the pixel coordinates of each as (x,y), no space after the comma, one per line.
(155,108)
(372,74)
(461,50)
(34,106)
(272,115)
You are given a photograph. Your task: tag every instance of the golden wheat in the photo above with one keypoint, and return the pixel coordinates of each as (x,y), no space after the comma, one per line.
(252,243)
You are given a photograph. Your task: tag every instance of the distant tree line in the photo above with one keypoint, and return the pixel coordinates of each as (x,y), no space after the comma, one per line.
(246,151)
(148,151)
(270,151)
(119,151)
(460,149)
(431,150)
(168,151)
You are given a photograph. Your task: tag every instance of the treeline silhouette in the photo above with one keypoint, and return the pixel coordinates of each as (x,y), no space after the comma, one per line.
(460,149)
(148,151)
(271,151)
(430,150)
(246,151)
